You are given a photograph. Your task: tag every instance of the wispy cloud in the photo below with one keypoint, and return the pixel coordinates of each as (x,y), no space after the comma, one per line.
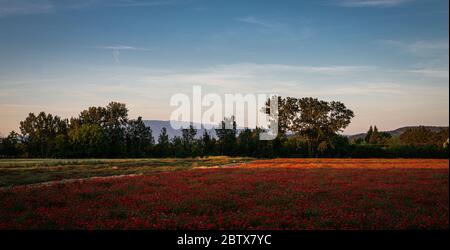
(432,56)
(418,47)
(370,3)
(122,47)
(115,3)
(260,22)
(139,3)
(390,42)
(423,48)
(431,53)
(24,7)
(253,76)
(116,50)
(254,67)
(368,90)
(435,73)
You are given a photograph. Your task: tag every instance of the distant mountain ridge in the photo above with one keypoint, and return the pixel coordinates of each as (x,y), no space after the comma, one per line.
(397,132)
(157,125)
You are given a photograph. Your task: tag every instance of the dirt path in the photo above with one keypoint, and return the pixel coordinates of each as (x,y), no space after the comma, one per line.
(49,183)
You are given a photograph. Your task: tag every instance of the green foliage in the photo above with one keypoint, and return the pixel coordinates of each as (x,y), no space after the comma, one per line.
(163,147)
(9,146)
(308,127)
(189,142)
(96,132)
(39,134)
(422,136)
(314,120)
(410,151)
(138,138)
(89,140)
(226,134)
(376,137)
(402,151)
(368,135)
(394,141)
(206,145)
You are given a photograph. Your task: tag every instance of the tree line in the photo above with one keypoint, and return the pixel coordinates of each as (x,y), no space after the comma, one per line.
(307,127)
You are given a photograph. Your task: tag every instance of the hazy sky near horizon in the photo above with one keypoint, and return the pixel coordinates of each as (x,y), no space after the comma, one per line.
(387,60)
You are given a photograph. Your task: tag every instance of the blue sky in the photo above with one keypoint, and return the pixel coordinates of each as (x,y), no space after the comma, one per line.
(385,59)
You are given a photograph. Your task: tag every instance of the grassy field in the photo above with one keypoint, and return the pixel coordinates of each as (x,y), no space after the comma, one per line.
(29,171)
(259,194)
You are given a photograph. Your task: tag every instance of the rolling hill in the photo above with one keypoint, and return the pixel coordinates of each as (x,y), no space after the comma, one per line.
(396,132)
(157,125)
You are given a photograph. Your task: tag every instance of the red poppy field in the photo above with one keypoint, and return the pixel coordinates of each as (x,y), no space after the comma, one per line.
(263,194)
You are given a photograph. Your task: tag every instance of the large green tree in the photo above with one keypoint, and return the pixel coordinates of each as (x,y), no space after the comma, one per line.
(40,132)
(163,147)
(139,139)
(368,134)
(88,141)
(314,120)
(113,120)
(206,144)
(422,136)
(226,136)
(189,142)
(10,145)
